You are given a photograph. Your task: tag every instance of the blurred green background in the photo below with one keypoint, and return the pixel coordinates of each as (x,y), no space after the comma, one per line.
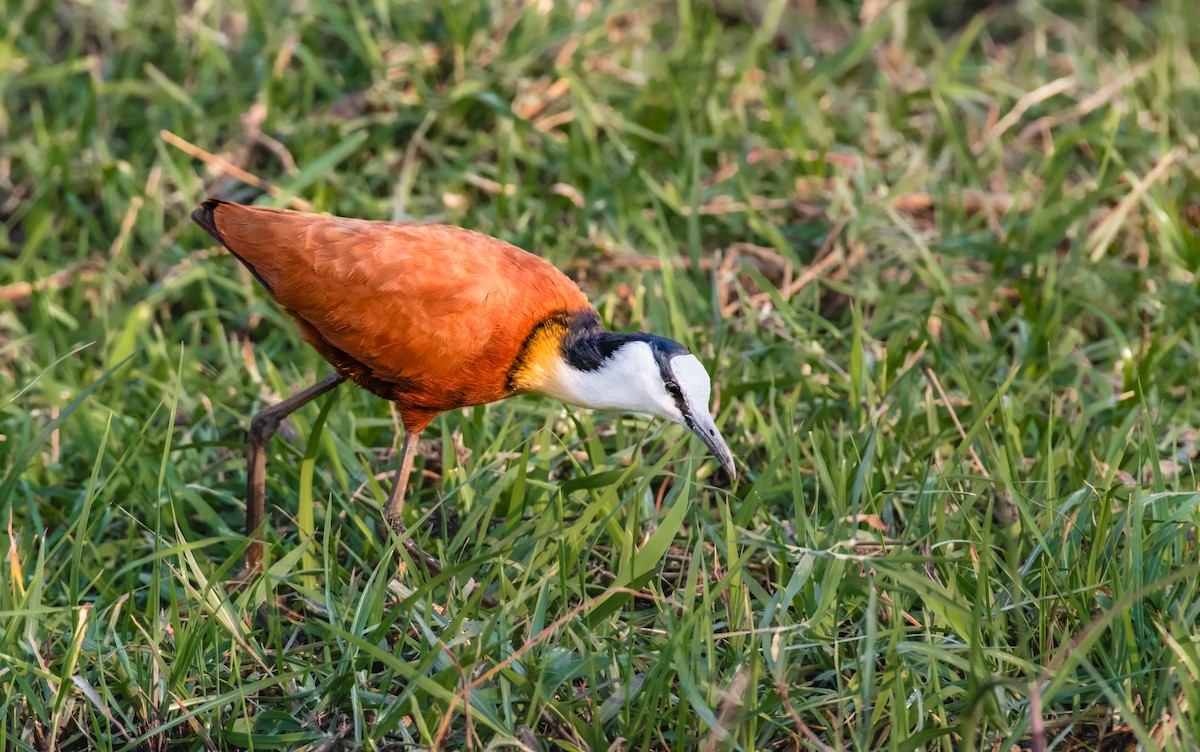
(940,258)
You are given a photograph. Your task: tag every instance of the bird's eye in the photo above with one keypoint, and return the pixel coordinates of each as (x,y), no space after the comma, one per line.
(712,432)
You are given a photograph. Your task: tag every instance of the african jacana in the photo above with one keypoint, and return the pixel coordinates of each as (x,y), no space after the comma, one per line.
(436,318)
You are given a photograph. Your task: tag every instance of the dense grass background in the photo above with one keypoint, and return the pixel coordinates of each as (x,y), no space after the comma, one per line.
(942,262)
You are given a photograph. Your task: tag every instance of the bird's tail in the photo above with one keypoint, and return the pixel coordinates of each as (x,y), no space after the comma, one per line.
(205,215)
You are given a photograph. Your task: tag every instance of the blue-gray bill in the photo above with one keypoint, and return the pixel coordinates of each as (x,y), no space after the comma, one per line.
(704,427)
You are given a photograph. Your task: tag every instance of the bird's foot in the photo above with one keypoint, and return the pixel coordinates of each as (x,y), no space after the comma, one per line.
(430,562)
(250,569)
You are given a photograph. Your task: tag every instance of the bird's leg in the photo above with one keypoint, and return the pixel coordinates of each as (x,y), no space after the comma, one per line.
(393,511)
(262,427)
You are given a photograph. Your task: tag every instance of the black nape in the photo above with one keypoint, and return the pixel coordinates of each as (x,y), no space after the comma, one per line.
(587,345)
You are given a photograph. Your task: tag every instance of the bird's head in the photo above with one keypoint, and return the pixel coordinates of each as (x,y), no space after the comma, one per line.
(583,365)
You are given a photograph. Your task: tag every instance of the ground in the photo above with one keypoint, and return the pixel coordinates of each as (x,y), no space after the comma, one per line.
(941,261)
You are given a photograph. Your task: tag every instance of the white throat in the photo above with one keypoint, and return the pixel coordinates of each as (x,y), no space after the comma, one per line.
(668,382)
(631,379)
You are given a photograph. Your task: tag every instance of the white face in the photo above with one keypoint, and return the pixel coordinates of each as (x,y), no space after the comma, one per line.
(693,382)
(629,380)
(632,380)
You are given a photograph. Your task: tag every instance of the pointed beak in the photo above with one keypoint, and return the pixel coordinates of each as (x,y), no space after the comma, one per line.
(704,427)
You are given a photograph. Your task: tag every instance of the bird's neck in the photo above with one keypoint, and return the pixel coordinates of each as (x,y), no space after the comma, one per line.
(552,342)
(571,357)
(562,351)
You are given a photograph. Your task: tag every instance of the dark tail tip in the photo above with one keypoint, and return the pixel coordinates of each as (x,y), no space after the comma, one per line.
(204,216)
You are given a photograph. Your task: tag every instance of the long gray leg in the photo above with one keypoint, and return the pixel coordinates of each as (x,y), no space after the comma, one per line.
(393,511)
(263,426)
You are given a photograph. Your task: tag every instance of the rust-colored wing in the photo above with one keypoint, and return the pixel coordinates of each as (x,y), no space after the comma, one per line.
(430,316)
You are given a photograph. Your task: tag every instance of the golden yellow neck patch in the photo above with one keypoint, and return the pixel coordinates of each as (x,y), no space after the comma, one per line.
(540,355)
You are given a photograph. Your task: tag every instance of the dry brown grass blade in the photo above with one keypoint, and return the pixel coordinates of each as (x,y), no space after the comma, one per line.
(18,293)
(229,168)
(1106,230)
(1024,104)
(825,261)
(1088,104)
(973,202)
(933,379)
(489,185)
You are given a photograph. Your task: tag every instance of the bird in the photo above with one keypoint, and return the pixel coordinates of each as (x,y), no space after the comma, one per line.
(435,318)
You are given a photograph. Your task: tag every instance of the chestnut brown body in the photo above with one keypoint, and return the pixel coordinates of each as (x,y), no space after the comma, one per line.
(429,316)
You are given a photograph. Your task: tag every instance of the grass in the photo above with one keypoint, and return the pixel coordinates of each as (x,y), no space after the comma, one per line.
(943,267)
